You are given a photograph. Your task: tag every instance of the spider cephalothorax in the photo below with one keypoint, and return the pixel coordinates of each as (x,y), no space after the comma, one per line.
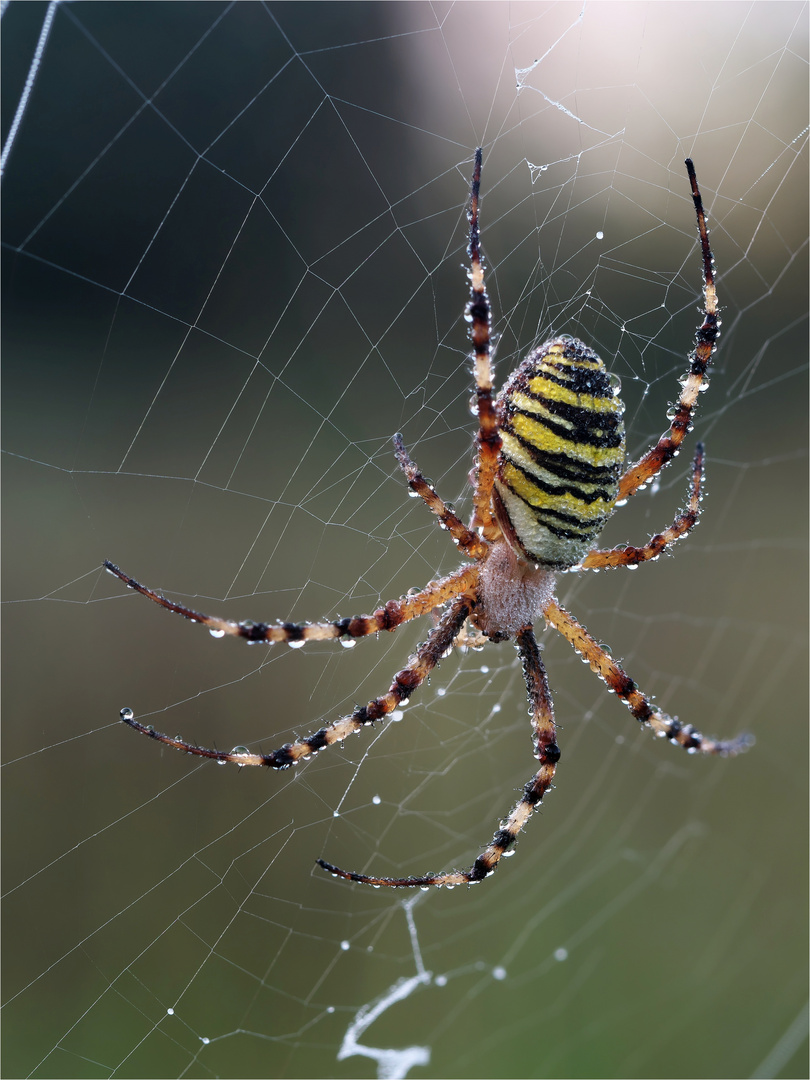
(549,471)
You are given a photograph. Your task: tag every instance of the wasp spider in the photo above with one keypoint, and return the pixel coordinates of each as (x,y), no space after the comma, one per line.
(549,471)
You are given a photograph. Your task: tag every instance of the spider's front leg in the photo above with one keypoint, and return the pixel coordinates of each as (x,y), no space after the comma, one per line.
(625,689)
(427,656)
(547,752)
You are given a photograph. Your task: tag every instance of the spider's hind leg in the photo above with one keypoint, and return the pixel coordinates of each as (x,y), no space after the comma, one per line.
(469,542)
(479,316)
(683,523)
(699,360)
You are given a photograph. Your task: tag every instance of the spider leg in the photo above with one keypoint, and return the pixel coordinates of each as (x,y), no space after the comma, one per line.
(545,750)
(617,680)
(427,656)
(683,523)
(389,617)
(469,542)
(479,315)
(700,358)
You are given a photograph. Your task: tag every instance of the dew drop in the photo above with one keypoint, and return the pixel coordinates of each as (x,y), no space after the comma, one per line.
(376,800)
(561,954)
(440,980)
(296,644)
(170,1011)
(347,642)
(499,973)
(345,946)
(127,714)
(217,633)
(600,235)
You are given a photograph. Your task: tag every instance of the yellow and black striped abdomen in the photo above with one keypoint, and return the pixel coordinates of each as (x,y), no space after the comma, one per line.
(562,453)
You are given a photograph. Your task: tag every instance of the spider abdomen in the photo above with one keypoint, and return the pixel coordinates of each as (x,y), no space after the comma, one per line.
(562,453)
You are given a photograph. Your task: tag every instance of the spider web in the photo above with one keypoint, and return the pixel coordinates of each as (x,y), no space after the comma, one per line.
(233,252)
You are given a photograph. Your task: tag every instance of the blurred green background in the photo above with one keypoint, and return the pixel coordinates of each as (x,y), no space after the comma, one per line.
(233,267)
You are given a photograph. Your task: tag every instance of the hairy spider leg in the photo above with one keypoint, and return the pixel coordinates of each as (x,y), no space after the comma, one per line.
(683,523)
(479,315)
(620,683)
(699,359)
(469,542)
(546,751)
(427,656)
(389,617)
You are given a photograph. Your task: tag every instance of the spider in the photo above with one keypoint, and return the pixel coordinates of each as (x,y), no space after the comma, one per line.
(549,472)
